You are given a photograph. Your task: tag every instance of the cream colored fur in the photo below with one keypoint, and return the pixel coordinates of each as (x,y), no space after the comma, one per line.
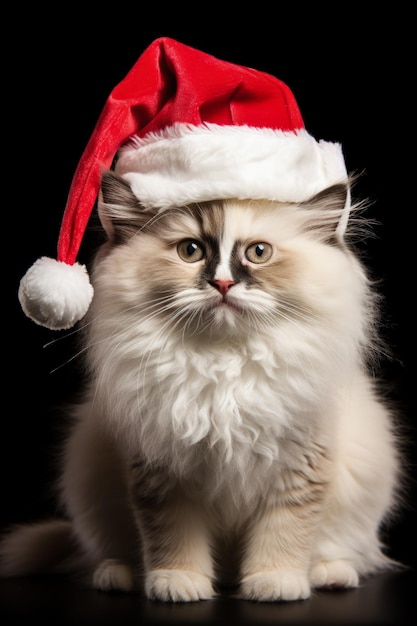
(251,417)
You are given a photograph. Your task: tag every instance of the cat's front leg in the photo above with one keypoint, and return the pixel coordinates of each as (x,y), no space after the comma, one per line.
(178,564)
(275,564)
(276,561)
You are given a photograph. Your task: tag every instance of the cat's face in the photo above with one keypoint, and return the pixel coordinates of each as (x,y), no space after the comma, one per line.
(215,267)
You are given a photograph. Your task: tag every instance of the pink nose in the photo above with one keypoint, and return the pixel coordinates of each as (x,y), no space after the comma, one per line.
(223,285)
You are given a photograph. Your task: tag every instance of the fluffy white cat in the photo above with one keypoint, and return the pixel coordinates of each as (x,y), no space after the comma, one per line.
(230,408)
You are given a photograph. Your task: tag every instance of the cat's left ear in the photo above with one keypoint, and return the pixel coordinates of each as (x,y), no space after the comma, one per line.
(329,211)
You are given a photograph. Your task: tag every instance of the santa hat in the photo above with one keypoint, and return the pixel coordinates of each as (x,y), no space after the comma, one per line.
(184,127)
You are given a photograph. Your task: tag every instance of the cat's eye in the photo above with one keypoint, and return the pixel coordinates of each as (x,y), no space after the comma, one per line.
(259,252)
(190,250)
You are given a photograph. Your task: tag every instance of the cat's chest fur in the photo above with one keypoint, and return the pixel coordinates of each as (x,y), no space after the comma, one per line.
(223,414)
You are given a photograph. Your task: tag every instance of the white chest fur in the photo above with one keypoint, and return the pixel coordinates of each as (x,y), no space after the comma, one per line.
(214,412)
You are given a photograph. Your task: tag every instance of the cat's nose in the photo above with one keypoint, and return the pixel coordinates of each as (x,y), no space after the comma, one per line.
(222,285)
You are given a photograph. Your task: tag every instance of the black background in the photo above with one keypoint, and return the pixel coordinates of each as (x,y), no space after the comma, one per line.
(353,77)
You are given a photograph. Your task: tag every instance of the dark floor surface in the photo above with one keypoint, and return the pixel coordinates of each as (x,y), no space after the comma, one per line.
(384,599)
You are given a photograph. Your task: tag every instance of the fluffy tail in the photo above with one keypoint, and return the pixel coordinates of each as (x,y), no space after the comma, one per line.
(46,547)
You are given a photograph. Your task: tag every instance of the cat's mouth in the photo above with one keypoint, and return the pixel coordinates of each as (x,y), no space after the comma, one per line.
(224,303)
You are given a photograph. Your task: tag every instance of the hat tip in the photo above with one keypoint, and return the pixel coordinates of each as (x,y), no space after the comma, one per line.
(54,294)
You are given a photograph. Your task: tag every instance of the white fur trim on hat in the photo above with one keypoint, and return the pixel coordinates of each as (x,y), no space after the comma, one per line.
(184,164)
(54,294)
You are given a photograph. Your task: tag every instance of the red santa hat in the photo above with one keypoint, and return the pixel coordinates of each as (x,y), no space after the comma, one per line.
(184,127)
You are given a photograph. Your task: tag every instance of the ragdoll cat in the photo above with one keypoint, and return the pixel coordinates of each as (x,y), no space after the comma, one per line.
(228,346)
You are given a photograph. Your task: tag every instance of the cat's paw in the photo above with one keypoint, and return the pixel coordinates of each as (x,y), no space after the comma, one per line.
(178,586)
(275,585)
(113,575)
(337,573)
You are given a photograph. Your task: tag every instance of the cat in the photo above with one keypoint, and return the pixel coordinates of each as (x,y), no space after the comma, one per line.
(230,405)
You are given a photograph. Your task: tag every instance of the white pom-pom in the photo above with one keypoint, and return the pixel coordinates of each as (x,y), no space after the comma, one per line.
(54,294)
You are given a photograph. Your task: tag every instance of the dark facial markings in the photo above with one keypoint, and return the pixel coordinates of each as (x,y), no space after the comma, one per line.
(208,270)
(211,246)
(239,271)
(206,247)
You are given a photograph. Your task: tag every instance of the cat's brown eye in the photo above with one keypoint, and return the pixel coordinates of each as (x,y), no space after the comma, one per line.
(190,250)
(259,252)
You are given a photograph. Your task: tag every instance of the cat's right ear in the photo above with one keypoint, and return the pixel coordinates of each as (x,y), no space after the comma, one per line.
(121,213)
(329,211)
